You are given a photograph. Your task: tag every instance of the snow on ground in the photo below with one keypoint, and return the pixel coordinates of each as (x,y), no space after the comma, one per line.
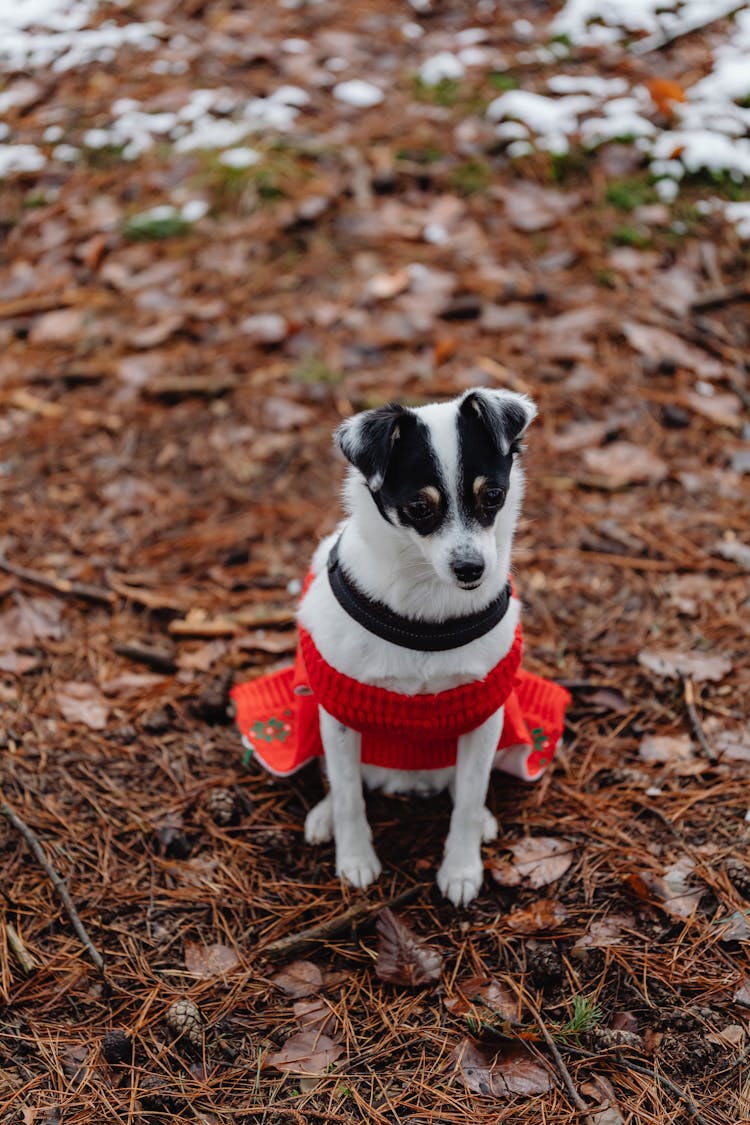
(709,129)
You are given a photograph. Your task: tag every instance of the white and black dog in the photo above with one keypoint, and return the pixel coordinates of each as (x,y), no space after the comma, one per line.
(433,495)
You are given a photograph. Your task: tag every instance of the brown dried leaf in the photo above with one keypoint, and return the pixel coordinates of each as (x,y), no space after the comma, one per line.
(724,409)
(83,703)
(301,978)
(622,463)
(487,991)
(666,748)
(538,860)
(673,663)
(314,1015)
(659,346)
(206,961)
(307,1052)
(600,1091)
(546,914)
(403,958)
(736,927)
(18,663)
(531,208)
(30,620)
(742,995)
(604,932)
(500,1071)
(670,890)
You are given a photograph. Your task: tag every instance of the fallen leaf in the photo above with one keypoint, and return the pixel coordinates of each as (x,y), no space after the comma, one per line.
(724,409)
(733,744)
(384,286)
(733,1035)
(403,958)
(207,961)
(546,914)
(83,703)
(486,991)
(314,1015)
(742,995)
(500,1071)
(30,620)
(537,861)
(622,463)
(659,346)
(301,978)
(130,684)
(201,659)
(671,890)
(307,1052)
(604,932)
(666,748)
(532,208)
(736,927)
(664,92)
(18,663)
(61,326)
(735,551)
(601,1091)
(673,663)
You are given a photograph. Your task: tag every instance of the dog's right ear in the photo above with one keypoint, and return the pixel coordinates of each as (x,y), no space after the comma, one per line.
(367,440)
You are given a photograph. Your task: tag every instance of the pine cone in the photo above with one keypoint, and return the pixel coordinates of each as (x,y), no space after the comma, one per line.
(603,1038)
(157,1096)
(221,806)
(118,1047)
(739,875)
(184,1021)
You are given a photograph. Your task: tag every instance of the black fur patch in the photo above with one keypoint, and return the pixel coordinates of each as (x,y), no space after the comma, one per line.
(484,426)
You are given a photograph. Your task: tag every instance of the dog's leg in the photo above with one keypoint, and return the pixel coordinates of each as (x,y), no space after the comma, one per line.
(355,856)
(460,875)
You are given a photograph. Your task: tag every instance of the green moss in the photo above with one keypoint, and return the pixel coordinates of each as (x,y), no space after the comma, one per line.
(426,154)
(313,369)
(628,235)
(446,92)
(630,193)
(471,177)
(503,80)
(151,226)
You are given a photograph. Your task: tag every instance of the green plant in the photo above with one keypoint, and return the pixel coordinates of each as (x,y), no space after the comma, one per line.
(626,235)
(471,176)
(586,1015)
(158,223)
(628,194)
(502,80)
(445,92)
(312,369)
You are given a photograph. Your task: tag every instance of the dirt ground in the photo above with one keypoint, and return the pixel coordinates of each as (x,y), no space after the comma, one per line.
(168,396)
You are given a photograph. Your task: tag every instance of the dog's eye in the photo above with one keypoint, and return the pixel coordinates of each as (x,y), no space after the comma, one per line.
(419,510)
(493,498)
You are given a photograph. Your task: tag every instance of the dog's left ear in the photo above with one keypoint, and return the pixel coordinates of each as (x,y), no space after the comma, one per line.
(505,414)
(367,440)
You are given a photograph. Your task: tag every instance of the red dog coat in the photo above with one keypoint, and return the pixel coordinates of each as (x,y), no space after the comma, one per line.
(278,716)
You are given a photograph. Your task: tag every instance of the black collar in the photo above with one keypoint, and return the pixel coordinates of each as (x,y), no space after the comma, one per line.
(410,632)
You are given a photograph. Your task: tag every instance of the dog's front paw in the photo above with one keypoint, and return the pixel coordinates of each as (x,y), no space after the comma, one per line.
(489,826)
(359,869)
(319,822)
(460,881)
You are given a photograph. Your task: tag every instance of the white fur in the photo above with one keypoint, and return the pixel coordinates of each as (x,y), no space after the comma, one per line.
(411,574)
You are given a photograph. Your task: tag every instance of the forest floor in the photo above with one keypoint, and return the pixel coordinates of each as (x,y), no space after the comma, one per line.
(169,383)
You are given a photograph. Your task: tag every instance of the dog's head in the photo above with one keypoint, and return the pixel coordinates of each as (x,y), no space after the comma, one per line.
(445,474)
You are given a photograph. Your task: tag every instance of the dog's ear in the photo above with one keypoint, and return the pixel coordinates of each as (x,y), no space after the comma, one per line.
(504,414)
(367,440)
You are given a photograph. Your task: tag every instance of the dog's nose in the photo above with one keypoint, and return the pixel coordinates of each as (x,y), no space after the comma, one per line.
(468,572)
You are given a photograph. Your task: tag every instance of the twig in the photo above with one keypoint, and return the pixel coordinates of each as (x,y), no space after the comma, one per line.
(575,1097)
(694,717)
(55,878)
(361,911)
(18,949)
(662,39)
(639,1068)
(60,585)
(726,295)
(161,659)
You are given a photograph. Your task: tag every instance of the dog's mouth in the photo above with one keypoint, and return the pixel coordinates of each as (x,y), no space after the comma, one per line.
(469,585)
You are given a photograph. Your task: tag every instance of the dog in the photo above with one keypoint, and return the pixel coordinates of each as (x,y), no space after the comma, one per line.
(432,495)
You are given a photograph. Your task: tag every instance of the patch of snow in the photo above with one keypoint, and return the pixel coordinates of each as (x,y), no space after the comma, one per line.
(239,157)
(358,93)
(441,67)
(20,158)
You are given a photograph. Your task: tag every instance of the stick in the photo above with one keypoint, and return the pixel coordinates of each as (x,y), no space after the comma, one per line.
(18,949)
(713,298)
(657,1078)
(694,717)
(361,911)
(55,878)
(575,1097)
(60,585)
(161,659)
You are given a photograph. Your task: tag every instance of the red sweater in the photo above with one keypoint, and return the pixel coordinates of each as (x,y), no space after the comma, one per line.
(278,716)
